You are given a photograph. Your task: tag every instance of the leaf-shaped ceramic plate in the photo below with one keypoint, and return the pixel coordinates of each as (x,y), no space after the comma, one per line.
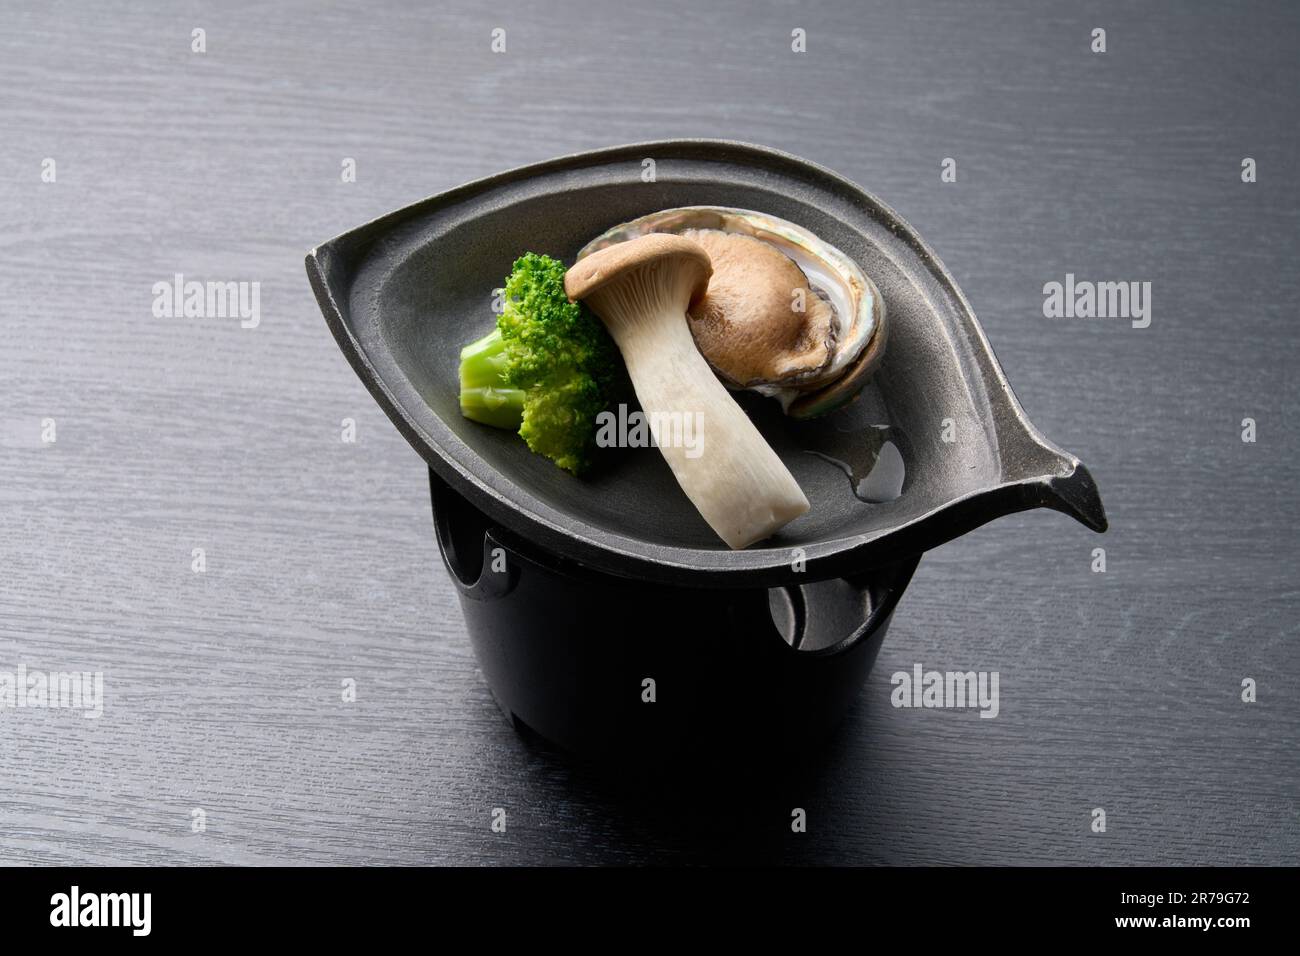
(403,293)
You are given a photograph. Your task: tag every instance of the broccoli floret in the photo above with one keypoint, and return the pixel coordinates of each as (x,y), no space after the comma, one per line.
(547,369)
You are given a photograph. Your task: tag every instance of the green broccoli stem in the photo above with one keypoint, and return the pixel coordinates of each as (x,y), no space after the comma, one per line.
(484,396)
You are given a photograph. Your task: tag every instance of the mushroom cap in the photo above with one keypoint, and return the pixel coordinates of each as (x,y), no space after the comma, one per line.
(598,270)
(859,309)
(760,322)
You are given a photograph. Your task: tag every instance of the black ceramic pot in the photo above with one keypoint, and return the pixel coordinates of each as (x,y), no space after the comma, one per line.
(631,671)
(614,580)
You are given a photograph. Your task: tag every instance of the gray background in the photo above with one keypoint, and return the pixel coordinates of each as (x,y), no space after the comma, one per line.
(1119,690)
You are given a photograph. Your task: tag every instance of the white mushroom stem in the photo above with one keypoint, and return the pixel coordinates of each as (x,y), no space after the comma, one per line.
(641,290)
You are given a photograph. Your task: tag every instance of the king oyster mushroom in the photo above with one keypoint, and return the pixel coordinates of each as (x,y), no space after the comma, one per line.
(642,290)
(786,314)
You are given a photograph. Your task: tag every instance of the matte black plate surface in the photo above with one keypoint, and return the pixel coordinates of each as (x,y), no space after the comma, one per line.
(403,293)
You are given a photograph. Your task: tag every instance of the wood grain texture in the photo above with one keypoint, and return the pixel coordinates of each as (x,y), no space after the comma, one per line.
(1119,690)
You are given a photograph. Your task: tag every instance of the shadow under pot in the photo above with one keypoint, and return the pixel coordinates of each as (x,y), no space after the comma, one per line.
(619,670)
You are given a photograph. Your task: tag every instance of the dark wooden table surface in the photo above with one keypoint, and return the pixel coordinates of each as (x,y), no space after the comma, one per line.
(1119,690)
